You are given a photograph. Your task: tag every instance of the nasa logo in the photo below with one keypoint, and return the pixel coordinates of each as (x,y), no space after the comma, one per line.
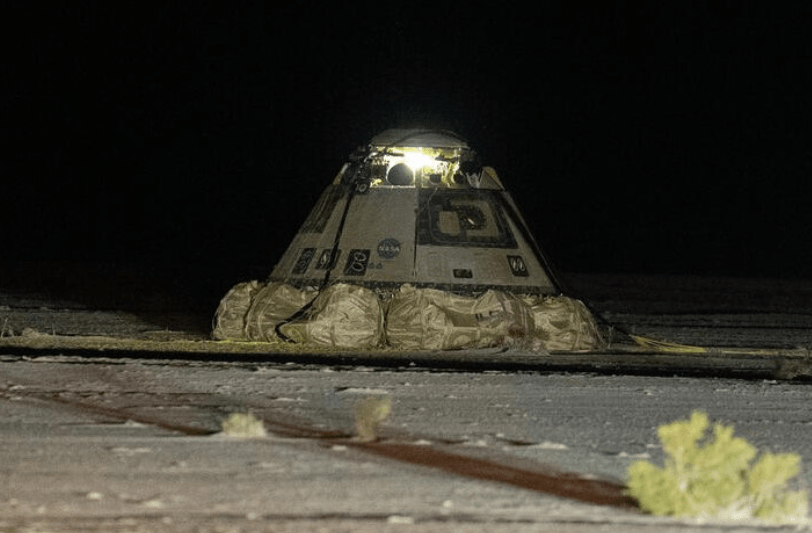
(389,248)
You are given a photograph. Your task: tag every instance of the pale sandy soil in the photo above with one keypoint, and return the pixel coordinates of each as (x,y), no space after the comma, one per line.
(98,443)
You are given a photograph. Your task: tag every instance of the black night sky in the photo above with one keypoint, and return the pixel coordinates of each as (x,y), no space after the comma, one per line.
(635,137)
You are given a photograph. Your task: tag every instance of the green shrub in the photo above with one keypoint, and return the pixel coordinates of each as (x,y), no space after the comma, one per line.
(713,478)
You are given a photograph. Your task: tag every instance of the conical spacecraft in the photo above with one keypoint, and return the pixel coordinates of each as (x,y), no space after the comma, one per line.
(417,207)
(414,245)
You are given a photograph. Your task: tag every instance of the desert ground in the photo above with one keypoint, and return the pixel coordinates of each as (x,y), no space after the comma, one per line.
(115,434)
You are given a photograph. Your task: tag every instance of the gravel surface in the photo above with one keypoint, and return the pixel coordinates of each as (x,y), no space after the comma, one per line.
(132,444)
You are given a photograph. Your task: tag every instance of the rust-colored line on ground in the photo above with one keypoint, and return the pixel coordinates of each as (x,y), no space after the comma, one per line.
(564,485)
(98,410)
(539,478)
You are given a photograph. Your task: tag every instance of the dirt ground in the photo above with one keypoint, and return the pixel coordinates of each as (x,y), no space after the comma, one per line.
(118,441)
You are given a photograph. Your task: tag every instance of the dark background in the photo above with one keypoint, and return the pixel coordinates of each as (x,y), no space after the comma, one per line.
(636,138)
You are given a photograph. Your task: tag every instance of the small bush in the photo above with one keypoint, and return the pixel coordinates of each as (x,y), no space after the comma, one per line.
(713,477)
(369,412)
(243,425)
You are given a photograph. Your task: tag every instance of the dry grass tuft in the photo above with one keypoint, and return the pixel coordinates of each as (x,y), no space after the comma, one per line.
(243,426)
(370,412)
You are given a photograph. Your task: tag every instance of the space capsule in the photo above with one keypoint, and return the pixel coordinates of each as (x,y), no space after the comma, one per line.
(415,244)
